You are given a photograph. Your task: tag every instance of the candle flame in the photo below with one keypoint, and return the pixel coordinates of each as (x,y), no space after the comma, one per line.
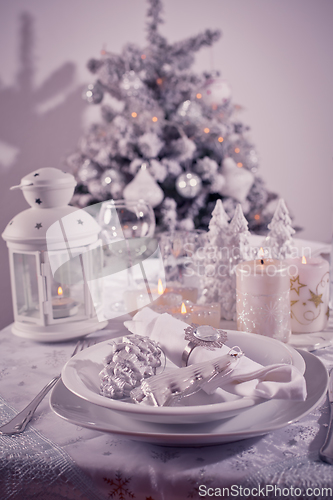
(160,288)
(261,254)
(60,291)
(303,260)
(183,309)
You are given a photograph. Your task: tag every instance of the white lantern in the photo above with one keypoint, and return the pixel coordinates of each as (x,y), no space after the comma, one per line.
(54,252)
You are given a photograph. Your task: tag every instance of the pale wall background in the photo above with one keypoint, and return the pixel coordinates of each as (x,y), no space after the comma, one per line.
(276,55)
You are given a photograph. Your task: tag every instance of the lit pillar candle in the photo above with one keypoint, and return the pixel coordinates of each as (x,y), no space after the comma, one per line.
(309,294)
(184,314)
(262,298)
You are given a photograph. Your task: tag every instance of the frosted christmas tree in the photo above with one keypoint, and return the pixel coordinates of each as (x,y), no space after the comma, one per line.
(182,127)
(227,245)
(279,239)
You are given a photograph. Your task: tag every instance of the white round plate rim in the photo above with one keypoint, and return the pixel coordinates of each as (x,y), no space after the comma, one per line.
(74,383)
(241,426)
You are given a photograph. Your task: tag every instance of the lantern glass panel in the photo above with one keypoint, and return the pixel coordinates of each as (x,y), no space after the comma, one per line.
(26,285)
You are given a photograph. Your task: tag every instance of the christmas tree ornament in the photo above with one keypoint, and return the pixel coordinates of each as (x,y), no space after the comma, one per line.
(216,92)
(131,83)
(94,93)
(113,181)
(55,297)
(238,181)
(89,170)
(144,187)
(188,185)
(190,110)
(279,239)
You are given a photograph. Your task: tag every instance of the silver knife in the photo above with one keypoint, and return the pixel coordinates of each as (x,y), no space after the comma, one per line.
(326,451)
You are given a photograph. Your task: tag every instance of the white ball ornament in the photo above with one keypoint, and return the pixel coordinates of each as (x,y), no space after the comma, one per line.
(188,185)
(216,91)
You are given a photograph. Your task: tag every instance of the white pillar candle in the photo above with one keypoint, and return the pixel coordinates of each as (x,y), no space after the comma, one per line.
(262,298)
(309,294)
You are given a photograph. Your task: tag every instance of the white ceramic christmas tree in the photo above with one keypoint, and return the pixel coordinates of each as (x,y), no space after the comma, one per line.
(227,245)
(279,239)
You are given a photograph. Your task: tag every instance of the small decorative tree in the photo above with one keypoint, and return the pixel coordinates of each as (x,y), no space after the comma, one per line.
(279,239)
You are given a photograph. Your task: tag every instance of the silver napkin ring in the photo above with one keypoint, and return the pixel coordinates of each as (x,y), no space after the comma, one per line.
(202,336)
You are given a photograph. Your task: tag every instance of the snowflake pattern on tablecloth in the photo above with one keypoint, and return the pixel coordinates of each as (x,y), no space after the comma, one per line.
(56,358)
(119,486)
(165,456)
(196,481)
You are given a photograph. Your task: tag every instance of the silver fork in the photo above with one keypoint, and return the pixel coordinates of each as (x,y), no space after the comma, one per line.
(21,420)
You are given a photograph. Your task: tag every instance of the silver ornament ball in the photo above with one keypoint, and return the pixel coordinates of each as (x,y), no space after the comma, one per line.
(188,185)
(93,94)
(189,110)
(89,170)
(113,181)
(131,83)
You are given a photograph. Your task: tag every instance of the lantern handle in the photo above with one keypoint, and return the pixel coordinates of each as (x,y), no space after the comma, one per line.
(20,186)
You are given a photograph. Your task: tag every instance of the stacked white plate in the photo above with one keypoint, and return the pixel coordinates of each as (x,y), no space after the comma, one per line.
(205,419)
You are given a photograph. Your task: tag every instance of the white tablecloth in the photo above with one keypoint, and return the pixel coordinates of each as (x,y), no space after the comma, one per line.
(55,459)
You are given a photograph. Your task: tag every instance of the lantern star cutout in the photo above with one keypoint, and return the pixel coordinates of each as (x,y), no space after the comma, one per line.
(292,302)
(316,299)
(38,201)
(328,312)
(38,225)
(80,222)
(295,285)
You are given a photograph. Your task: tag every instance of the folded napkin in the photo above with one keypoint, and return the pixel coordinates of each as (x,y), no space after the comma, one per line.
(280,381)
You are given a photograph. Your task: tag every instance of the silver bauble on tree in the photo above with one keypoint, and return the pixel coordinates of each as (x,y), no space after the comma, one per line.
(131,83)
(94,93)
(113,181)
(190,110)
(188,185)
(88,171)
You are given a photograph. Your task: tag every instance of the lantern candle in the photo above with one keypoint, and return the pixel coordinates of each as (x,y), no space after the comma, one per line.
(63,307)
(263,303)
(309,294)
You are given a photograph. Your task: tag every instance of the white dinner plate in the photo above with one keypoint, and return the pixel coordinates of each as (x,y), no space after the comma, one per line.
(81,376)
(255,421)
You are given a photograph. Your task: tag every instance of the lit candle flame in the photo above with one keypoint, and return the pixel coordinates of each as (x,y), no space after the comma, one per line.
(160,288)
(183,309)
(303,260)
(60,291)
(261,254)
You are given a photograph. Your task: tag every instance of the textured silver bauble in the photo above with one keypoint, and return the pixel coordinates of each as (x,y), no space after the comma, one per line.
(188,185)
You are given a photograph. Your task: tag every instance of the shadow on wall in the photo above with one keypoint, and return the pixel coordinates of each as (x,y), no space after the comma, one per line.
(39,127)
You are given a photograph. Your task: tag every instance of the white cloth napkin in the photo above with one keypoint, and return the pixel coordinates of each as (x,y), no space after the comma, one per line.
(249,378)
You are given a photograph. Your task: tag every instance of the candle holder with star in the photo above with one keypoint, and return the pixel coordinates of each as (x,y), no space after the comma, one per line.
(55,254)
(309,294)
